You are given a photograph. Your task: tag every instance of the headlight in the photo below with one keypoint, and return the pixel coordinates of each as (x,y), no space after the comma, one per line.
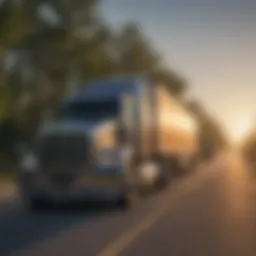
(149,172)
(29,163)
(109,157)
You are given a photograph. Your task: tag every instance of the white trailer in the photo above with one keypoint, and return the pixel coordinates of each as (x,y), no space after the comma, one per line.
(113,139)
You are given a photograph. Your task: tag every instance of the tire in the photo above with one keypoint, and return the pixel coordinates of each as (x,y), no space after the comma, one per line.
(129,199)
(162,180)
(37,205)
(176,167)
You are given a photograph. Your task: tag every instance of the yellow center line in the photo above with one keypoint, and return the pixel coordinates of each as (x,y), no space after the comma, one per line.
(128,237)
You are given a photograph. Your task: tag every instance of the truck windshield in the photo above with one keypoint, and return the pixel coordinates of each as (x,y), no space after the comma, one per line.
(92,110)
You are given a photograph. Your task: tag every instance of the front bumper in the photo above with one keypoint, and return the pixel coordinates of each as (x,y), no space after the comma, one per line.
(84,194)
(87,187)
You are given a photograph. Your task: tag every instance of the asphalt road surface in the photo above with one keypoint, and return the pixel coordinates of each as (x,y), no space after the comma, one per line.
(210,213)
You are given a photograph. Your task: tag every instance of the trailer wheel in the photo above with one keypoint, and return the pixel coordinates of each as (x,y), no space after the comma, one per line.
(176,167)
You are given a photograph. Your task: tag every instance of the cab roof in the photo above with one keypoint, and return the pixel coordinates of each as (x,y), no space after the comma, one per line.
(105,89)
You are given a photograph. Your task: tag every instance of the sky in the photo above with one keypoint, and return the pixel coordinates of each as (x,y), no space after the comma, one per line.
(210,42)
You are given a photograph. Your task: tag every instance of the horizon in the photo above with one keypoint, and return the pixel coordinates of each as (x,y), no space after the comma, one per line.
(212,46)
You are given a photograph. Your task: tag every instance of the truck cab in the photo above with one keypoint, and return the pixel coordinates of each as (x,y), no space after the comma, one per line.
(85,152)
(112,140)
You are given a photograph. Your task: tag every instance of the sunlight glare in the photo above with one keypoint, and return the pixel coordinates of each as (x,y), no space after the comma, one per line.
(240,128)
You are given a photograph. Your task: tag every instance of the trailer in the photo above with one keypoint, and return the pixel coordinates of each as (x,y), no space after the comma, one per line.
(115,139)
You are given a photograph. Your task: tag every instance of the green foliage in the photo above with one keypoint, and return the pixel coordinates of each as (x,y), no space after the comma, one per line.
(76,41)
(174,83)
(136,55)
(248,148)
(12,16)
(5,100)
(212,137)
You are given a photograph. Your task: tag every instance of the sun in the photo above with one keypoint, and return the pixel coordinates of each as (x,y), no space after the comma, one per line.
(240,128)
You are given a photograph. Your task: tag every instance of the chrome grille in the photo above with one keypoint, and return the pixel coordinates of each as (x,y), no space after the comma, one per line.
(62,179)
(63,152)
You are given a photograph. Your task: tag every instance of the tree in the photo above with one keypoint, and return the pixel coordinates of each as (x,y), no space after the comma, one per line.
(248,147)
(5,100)
(57,42)
(136,55)
(212,137)
(50,46)
(173,82)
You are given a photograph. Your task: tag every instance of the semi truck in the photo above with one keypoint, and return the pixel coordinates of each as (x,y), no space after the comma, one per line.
(113,140)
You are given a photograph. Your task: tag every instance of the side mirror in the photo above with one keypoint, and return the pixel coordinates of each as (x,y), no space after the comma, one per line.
(126,127)
(127,110)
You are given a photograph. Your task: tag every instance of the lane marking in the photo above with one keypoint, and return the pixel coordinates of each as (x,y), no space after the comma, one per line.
(129,236)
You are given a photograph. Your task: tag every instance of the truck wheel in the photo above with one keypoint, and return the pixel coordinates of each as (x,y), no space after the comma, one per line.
(162,180)
(176,167)
(129,199)
(36,205)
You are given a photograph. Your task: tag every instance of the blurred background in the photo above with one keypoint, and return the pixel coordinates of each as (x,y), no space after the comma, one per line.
(49,49)
(204,51)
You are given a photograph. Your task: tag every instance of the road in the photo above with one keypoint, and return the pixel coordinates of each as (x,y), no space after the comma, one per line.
(210,213)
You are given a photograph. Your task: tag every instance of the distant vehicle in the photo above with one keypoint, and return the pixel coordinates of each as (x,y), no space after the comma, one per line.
(112,140)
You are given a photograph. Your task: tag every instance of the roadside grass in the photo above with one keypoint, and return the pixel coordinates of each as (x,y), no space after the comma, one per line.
(8,170)
(8,186)
(10,178)
(8,181)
